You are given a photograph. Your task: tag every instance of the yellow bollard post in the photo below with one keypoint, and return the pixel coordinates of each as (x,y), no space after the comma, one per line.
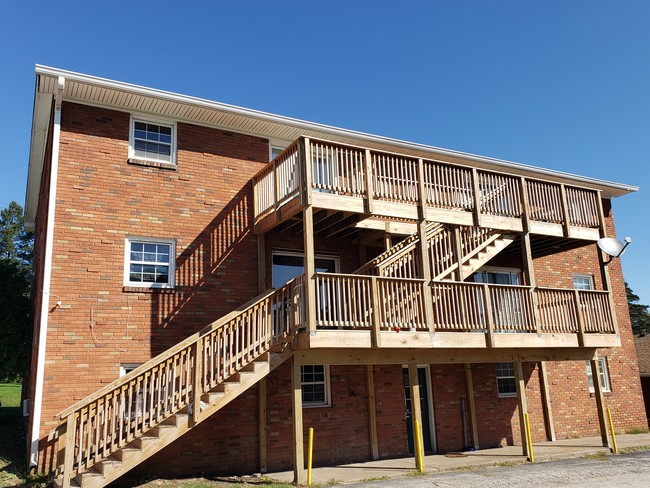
(418,448)
(611,429)
(529,439)
(310,450)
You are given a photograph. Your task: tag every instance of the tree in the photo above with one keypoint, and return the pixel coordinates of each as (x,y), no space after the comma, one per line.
(638,313)
(16,251)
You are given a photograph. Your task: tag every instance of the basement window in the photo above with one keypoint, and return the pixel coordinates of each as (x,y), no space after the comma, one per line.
(506,383)
(149,263)
(151,141)
(604,376)
(315,383)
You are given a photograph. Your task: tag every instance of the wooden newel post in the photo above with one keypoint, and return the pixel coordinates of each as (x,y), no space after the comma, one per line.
(196,385)
(68,446)
(489,318)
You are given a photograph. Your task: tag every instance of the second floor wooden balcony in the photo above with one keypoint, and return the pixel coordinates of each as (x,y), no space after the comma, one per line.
(358,311)
(374,184)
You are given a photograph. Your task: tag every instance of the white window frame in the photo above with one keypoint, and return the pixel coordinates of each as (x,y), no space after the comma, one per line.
(155,121)
(507,394)
(589,278)
(277,146)
(153,240)
(603,368)
(327,387)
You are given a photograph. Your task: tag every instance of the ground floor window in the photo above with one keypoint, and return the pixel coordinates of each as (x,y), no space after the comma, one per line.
(604,375)
(315,385)
(506,383)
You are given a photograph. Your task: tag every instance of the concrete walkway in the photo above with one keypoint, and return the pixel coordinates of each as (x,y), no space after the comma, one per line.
(390,468)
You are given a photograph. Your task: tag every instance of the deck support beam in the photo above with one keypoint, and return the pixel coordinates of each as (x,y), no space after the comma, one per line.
(299,474)
(520,382)
(310,268)
(600,401)
(416,410)
(372,413)
(469,382)
(546,402)
(261,419)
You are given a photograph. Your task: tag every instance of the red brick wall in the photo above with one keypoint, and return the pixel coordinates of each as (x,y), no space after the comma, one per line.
(206,204)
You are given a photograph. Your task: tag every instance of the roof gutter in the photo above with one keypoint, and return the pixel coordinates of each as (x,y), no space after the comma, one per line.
(37,404)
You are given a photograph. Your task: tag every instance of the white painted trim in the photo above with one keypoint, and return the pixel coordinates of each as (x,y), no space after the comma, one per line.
(155,121)
(153,240)
(47,280)
(604,366)
(328,388)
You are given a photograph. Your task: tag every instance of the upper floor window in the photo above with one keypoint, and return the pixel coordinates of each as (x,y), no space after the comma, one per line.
(152,141)
(583,282)
(275,150)
(149,262)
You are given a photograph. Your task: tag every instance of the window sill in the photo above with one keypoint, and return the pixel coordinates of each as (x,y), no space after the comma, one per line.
(147,289)
(151,164)
(320,405)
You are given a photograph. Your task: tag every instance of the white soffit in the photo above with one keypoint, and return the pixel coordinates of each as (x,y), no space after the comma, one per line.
(121,96)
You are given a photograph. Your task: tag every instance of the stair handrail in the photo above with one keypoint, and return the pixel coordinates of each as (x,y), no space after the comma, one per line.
(172,381)
(397,250)
(168,353)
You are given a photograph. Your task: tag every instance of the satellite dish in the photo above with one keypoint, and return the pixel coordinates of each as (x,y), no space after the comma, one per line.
(613,247)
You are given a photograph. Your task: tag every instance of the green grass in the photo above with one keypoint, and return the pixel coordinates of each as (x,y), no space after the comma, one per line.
(637,430)
(10,395)
(13,466)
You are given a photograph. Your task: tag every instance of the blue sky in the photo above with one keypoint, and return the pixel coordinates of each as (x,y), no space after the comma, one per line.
(563,85)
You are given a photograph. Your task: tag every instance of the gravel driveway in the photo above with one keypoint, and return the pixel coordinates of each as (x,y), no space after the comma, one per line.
(625,470)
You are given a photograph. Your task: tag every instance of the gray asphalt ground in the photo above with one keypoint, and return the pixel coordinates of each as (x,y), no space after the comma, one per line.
(624,470)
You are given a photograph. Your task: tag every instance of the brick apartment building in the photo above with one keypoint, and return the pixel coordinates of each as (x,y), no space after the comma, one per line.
(198,307)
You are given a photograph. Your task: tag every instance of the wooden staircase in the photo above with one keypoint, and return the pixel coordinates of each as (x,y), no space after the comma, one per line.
(449,247)
(118,427)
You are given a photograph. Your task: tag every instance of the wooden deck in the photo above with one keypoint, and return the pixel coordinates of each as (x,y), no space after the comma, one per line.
(373,184)
(358,311)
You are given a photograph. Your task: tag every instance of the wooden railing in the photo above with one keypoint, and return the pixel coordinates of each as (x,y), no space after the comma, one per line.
(390,178)
(403,259)
(109,419)
(364,302)
(278,182)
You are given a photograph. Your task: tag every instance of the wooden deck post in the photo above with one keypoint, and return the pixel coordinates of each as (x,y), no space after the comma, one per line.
(68,454)
(306,170)
(525,207)
(299,475)
(376,312)
(416,410)
(520,382)
(197,386)
(372,413)
(565,211)
(476,190)
(546,401)
(469,382)
(370,189)
(426,273)
(310,268)
(600,402)
(529,272)
(489,316)
(458,251)
(261,423)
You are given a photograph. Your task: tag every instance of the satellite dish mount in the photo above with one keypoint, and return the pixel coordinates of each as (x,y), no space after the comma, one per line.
(613,247)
